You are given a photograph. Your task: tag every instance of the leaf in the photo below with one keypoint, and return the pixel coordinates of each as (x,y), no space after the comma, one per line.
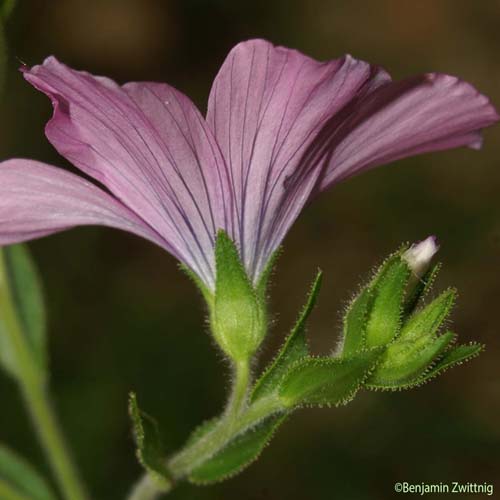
(406,371)
(294,348)
(21,306)
(385,315)
(426,322)
(238,316)
(455,356)
(21,478)
(327,381)
(238,453)
(149,449)
(355,320)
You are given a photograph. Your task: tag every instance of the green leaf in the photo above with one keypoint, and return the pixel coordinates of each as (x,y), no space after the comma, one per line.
(327,381)
(426,322)
(294,348)
(454,356)
(19,478)
(355,320)
(404,371)
(21,306)
(237,316)
(385,315)
(149,449)
(238,454)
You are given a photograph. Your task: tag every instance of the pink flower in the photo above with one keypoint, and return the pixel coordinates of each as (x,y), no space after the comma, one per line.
(280,128)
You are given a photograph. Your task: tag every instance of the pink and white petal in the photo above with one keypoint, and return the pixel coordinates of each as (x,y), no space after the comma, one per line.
(421,114)
(149,145)
(37,199)
(267,108)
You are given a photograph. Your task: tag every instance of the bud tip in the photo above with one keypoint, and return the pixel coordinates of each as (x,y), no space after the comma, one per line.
(420,254)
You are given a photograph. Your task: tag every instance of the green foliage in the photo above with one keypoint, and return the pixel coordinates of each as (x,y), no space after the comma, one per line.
(238,453)
(354,331)
(327,381)
(18,479)
(21,307)
(294,349)
(149,449)
(238,317)
(385,315)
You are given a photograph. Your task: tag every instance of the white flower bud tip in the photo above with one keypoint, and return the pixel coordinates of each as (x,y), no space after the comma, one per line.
(420,254)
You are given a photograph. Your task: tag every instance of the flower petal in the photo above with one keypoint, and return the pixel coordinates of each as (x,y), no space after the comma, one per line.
(37,199)
(421,114)
(267,108)
(149,145)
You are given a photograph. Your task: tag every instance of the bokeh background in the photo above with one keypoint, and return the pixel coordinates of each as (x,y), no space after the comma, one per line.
(123,317)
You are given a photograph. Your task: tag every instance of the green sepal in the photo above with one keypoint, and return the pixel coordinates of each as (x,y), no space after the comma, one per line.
(20,478)
(294,349)
(327,381)
(452,357)
(149,449)
(22,307)
(237,315)
(238,454)
(385,315)
(355,319)
(403,371)
(421,289)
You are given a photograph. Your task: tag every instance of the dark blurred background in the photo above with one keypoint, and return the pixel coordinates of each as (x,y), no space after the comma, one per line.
(123,317)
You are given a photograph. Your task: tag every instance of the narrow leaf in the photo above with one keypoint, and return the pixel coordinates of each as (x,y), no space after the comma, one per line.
(19,477)
(238,453)
(21,302)
(294,348)
(327,381)
(149,449)
(404,373)
(385,314)
(355,320)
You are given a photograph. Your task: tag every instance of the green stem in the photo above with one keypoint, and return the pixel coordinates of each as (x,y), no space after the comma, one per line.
(31,379)
(237,418)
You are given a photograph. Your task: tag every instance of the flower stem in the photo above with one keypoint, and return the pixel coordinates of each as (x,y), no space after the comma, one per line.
(32,382)
(237,418)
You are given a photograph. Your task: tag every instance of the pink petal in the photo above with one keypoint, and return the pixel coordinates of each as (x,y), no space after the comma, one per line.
(267,108)
(421,114)
(150,147)
(37,199)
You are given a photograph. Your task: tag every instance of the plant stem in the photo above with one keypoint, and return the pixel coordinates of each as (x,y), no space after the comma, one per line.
(31,379)
(237,417)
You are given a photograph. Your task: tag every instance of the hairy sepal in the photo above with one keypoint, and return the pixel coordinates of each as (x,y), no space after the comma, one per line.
(403,370)
(238,316)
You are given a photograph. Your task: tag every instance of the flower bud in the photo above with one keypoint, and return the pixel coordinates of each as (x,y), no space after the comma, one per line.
(420,254)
